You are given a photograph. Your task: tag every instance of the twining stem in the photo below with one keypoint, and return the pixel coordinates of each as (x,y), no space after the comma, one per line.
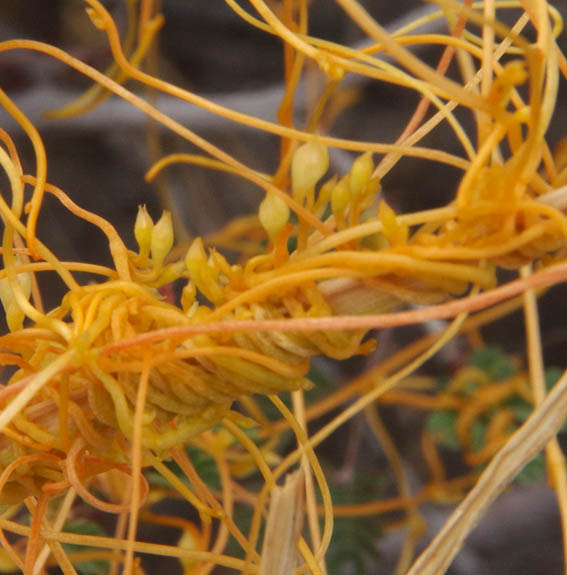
(549,276)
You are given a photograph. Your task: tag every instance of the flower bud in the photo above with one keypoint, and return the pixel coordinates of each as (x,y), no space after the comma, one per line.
(143,230)
(396,233)
(95,18)
(360,174)
(190,540)
(202,273)
(274,215)
(169,273)
(340,196)
(188,295)
(326,189)
(373,186)
(309,164)
(162,239)
(195,257)
(513,74)
(14,314)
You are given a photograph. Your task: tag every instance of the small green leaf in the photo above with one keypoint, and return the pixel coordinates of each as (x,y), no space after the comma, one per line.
(354,538)
(323,383)
(494,362)
(85,527)
(521,409)
(242,516)
(442,425)
(354,544)
(441,383)
(203,463)
(533,471)
(552,376)
(205,466)
(157,480)
(478,434)
(291,244)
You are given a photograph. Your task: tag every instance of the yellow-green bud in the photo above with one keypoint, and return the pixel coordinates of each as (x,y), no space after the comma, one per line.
(95,18)
(14,314)
(387,216)
(162,239)
(195,257)
(396,233)
(360,173)
(326,189)
(513,74)
(373,186)
(340,196)
(188,295)
(169,273)
(273,214)
(143,230)
(309,164)
(190,540)
(202,273)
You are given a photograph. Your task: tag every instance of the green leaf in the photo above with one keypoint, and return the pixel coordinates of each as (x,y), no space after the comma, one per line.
(364,486)
(205,466)
(292,244)
(85,527)
(323,384)
(242,516)
(354,538)
(522,410)
(494,362)
(552,376)
(533,471)
(157,480)
(442,425)
(478,434)
(354,544)
(441,383)
(203,463)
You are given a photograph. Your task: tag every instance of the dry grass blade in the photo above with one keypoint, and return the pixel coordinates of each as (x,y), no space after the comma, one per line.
(283,527)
